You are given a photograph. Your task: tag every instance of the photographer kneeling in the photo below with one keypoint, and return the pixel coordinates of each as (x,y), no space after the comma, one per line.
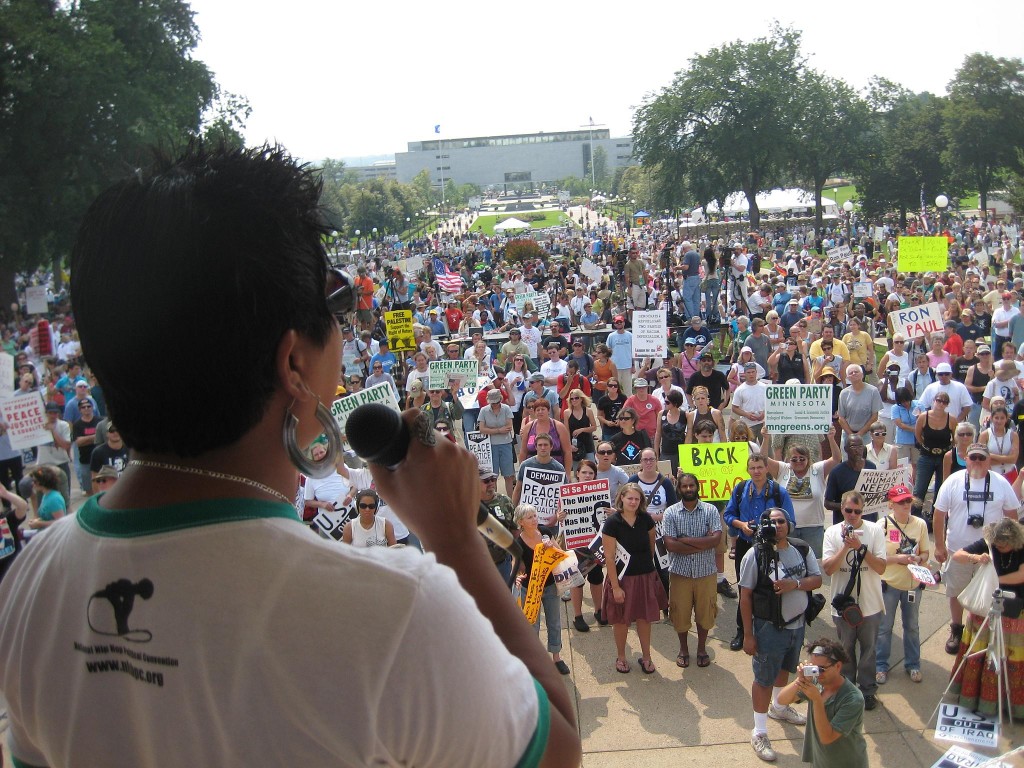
(835,717)
(775,578)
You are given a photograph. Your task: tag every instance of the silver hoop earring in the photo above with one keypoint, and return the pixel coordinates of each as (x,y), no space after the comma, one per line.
(306,465)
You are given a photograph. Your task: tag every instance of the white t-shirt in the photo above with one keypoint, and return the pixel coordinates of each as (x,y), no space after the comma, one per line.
(751,398)
(552,369)
(242,619)
(808,498)
(870,597)
(952,500)
(531,338)
(959,396)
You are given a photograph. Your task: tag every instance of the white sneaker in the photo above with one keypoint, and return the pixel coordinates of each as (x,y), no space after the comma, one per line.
(788,714)
(762,746)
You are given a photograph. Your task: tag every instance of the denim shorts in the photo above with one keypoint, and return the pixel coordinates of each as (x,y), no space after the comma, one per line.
(502,461)
(777,649)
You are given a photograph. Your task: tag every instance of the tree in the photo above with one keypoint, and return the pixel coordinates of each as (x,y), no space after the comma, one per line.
(1014,193)
(832,125)
(733,110)
(903,162)
(86,89)
(984,120)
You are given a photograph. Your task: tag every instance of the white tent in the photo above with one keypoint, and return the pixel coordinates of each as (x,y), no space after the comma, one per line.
(776,201)
(512,223)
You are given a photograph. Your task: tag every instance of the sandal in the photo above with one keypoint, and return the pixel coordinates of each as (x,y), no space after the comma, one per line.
(683,660)
(732,552)
(703,660)
(621,665)
(646,666)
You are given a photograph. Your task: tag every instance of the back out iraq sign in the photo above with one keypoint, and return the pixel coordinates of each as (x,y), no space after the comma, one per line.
(718,467)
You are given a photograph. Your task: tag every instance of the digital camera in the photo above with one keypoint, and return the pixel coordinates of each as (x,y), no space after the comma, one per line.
(847,530)
(907,546)
(975,521)
(812,671)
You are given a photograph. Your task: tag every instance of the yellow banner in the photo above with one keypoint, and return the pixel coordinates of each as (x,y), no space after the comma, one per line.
(923,254)
(398,325)
(544,560)
(718,467)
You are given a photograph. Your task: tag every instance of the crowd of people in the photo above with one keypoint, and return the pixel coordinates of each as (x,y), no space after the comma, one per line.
(565,393)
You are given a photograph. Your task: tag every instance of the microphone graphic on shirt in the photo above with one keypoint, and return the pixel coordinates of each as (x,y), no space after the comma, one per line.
(121,595)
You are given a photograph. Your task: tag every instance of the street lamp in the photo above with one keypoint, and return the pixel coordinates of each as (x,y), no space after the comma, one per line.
(358,246)
(848,207)
(942,202)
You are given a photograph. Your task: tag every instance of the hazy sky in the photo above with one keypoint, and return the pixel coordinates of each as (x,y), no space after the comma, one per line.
(344,79)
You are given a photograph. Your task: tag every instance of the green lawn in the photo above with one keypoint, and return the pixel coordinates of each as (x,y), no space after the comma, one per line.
(486,222)
(967,203)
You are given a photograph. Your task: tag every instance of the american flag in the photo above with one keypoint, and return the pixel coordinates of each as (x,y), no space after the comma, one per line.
(447,281)
(924,212)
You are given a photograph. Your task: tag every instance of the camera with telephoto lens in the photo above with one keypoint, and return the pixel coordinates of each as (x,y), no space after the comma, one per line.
(766,531)
(975,521)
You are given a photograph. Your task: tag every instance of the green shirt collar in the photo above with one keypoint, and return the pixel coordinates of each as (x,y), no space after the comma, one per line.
(129,523)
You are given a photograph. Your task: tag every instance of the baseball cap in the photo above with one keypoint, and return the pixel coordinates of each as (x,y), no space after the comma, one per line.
(618,319)
(487,474)
(53,408)
(984,349)
(639,382)
(689,343)
(899,493)
(537,377)
(707,356)
(493,396)
(978,448)
(943,368)
(751,366)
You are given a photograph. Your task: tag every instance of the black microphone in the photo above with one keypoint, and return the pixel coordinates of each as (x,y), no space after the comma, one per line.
(380,435)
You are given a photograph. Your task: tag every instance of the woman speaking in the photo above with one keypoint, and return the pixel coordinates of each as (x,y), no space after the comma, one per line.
(196,588)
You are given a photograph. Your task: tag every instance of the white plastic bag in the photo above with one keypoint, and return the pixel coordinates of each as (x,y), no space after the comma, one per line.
(977,596)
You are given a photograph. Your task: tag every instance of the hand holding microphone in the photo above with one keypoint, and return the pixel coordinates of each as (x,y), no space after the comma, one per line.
(431,483)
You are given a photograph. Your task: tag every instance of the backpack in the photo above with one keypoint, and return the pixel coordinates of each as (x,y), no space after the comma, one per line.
(776,494)
(768,605)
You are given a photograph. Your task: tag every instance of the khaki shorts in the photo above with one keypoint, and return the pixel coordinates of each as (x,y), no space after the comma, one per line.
(957,576)
(688,598)
(723,543)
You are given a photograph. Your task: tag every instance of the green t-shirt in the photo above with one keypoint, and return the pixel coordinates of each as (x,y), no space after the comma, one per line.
(845,711)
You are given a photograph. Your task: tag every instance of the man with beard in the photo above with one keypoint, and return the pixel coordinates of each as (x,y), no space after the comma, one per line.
(693,531)
(715,381)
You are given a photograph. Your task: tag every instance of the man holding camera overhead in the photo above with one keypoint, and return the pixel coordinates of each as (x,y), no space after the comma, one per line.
(967,501)
(853,554)
(775,579)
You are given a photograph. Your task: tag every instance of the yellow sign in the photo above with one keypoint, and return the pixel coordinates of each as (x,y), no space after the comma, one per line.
(923,254)
(718,467)
(544,560)
(398,325)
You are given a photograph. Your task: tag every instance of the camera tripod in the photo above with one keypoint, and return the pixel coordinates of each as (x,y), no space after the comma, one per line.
(996,653)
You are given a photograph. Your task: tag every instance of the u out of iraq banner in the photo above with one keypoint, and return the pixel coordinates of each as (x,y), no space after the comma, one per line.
(650,333)
(398,326)
(540,488)
(331,525)
(381,393)
(585,506)
(441,374)
(956,723)
(26,416)
(874,484)
(545,558)
(923,254)
(479,445)
(917,322)
(718,467)
(798,409)
(958,757)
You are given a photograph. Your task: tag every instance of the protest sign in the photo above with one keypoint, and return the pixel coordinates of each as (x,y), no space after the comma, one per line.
(718,467)
(331,525)
(567,574)
(35,300)
(381,393)
(958,757)
(922,574)
(26,416)
(6,375)
(540,488)
(585,506)
(798,409)
(958,723)
(544,559)
(591,271)
(879,234)
(539,302)
(1012,231)
(917,322)
(862,290)
(468,391)
(621,559)
(398,325)
(650,333)
(479,445)
(923,254)
(413,264)
(839,253)
(874,484)
(443,373)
